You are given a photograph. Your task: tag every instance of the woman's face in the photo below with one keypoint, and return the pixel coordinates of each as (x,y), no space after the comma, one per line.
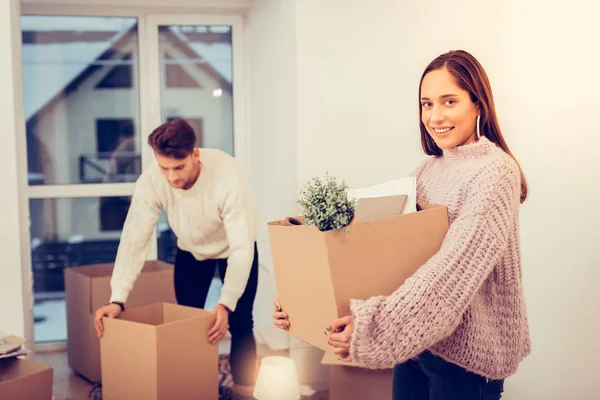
(447,111)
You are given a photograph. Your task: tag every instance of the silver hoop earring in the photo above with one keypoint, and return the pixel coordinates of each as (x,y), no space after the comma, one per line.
(478,132)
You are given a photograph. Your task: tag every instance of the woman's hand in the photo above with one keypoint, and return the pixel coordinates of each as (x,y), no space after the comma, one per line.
(340,336)
(281,318)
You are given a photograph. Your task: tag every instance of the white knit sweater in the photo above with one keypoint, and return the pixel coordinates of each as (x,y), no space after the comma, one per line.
(216,218)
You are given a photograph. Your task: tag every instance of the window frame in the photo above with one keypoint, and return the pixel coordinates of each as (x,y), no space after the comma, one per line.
(149,15)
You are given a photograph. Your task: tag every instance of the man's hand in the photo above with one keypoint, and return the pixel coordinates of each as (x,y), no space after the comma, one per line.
(219,329)
(110,311)
(340,335)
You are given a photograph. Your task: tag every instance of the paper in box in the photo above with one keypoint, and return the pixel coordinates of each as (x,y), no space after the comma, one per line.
(12,346)
(159,352)
(317,273)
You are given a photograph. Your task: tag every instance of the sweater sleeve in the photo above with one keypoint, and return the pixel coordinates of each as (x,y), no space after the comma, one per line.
(135,239)
(429,306)
(239,222)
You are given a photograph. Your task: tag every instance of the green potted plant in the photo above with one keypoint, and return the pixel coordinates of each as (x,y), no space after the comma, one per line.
(325,204)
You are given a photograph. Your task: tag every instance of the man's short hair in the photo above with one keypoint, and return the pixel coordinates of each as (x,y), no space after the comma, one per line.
(175,139)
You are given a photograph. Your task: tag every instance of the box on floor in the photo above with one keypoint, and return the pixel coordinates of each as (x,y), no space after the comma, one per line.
(87,289)
(159,352)
(22,379)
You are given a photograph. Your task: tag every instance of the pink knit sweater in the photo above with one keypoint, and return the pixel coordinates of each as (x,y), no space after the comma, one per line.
(466,303)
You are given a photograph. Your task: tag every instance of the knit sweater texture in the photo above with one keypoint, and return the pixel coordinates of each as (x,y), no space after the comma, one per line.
(466,303)
(217,218)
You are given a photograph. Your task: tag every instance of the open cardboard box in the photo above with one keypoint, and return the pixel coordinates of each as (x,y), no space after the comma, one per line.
(22,379)
(87,289)
(350,381)
(317,273)
(159,352)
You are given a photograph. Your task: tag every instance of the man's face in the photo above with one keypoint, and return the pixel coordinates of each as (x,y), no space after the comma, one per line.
(180,173)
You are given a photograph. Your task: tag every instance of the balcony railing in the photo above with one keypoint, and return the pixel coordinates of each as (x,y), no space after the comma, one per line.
(123,166)
(49,258)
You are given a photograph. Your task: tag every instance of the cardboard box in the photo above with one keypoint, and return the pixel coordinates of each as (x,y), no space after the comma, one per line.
(349,381)
(87,289)
(25,380)
(317,273)
(159,352)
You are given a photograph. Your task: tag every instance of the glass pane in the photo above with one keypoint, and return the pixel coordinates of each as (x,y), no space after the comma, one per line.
(65,233)
(167,241)
(196,81)
(196,70)
(80,81)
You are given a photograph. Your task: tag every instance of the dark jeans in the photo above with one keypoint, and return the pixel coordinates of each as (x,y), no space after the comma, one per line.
(192,281)
(429,377)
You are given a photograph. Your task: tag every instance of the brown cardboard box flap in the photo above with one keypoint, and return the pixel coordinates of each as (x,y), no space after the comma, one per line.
(393,248)
(99,277)
(160,351)
(185,352)
(303,277)
(87,289)
(18,368)
(25,380)
(174,312)
(163,314)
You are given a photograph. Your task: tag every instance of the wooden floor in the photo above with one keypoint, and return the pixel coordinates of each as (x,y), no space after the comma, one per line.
(68,386)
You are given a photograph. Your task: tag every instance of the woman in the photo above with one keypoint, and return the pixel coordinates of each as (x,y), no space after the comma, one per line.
(458,327)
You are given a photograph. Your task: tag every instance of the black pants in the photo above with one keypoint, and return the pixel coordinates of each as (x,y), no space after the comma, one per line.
(192,281)
(429,377)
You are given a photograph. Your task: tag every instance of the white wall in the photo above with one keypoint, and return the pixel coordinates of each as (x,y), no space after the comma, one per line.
(357,91)
(12,320)
(270,38)
(358,68)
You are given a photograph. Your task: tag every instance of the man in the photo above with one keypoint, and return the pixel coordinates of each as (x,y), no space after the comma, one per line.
(215,218)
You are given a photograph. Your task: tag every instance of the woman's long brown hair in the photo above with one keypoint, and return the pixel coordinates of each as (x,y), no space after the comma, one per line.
(471,77)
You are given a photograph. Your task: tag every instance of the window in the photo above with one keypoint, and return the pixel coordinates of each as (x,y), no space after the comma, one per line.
(65,232)
(77,136)
(116,158)
(120,76)
(205,55)
(64,59)
(176,76)
(202,53)
(88,112)
(197,125)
